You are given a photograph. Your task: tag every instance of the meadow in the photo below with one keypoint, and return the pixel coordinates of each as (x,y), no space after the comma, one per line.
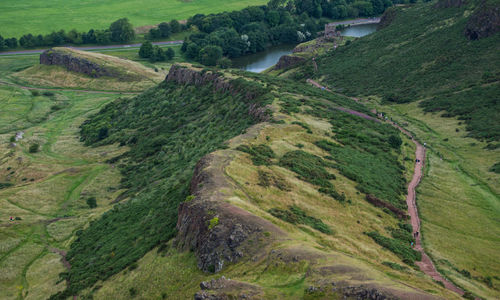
(41,17)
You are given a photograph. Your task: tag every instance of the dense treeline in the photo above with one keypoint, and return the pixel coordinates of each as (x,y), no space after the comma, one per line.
(120,31)
(255,28)
(168,129)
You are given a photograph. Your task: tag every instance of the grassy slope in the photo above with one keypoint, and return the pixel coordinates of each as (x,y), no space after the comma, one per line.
(52,183)
(175,274)
(45,16)
(423,54)
(458,198)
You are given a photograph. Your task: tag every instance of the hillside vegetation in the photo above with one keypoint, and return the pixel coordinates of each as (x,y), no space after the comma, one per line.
(294,174)
(424,54)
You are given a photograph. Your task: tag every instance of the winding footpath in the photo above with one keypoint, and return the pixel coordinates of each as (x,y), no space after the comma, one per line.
(425,265)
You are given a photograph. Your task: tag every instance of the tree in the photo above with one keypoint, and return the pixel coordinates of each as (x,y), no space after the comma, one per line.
(210,54)
(3,46)
(146,50)
(273,18)
(224,63)
(158,54)
(192,51)
(175,26)
(165,29)
(154,34)
(122,30)
(170,53)
(11,43)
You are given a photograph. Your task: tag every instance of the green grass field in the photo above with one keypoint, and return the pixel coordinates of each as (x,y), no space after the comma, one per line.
(50,187)
(39,16)
(459,199)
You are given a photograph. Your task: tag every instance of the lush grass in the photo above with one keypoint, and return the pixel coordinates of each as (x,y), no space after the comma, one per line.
(45,185)
(423,54)
(46,16)
(458,197)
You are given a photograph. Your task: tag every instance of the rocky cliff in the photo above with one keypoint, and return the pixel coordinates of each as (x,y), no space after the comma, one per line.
(75,64)
(219,233)
(287,61)
(250,91)
(484,22)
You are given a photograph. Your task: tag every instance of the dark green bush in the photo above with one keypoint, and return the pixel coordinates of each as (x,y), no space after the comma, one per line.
(34,148)
(296,215)
(260,154)
(402,249)
(92,202)
(309,167)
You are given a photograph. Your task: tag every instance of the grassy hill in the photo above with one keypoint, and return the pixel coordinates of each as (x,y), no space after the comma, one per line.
(299,175)
(424,54)
(421,70)
(97,14)
(127,75)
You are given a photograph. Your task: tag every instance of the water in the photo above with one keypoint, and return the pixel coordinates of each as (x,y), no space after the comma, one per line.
(261,61)
(359,30)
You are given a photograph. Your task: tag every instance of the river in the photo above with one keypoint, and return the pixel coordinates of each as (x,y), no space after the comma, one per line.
(261,61)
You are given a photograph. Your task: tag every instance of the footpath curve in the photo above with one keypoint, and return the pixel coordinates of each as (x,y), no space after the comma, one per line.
(425,265)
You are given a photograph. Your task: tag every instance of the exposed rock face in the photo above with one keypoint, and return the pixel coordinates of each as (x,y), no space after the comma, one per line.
(183,75)
(387,18)
(75,64)
(234,235)
(222,289)
(484,22)
(287,61)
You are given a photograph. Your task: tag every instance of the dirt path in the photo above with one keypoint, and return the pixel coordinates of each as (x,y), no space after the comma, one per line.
(425,264)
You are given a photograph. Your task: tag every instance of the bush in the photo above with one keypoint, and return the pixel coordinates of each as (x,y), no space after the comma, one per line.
(34,148)
(402,249)
(394,266)
(296,215)
(260,154)
(213,222)
(92,202)
(309,167)
(35,93)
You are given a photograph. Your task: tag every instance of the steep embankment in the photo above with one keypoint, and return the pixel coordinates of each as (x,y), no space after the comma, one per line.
(70,68)
(281,210)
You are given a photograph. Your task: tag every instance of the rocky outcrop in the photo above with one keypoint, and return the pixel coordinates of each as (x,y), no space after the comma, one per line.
(218,232)
(484,22)
(250,91)
(222,289)
(387,18)
(287,61)
(75,64)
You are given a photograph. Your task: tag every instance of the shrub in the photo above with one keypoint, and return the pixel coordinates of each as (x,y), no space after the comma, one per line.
(34,148)
(92,202)
(12,139)
(213,222)
(309,167)
(260,154)
(402,249)
(35,93)
(133,292)
(394,266)
(296,215)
